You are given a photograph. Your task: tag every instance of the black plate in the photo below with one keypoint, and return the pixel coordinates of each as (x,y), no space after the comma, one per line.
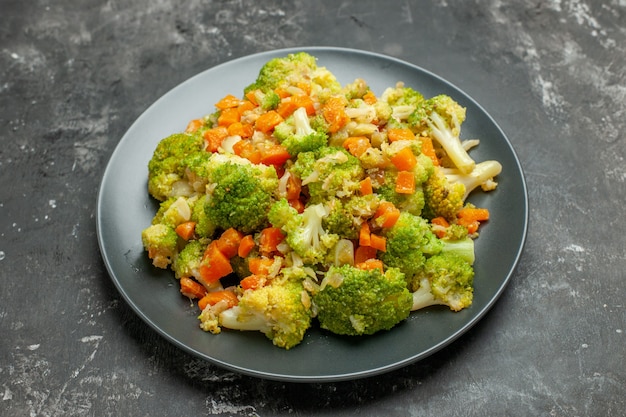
(125,209)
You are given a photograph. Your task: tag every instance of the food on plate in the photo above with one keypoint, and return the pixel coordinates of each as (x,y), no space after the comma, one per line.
(304,202)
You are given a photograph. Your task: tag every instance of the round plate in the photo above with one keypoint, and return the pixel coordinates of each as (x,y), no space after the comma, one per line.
(125,209)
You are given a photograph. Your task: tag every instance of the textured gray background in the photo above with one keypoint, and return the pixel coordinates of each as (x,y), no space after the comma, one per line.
(75,75)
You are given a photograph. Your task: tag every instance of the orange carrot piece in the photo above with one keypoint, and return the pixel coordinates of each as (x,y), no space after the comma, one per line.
(473,213)
(267,121)
(303,100)
(363,253)
(215,264)
(404,160)
(357,145)
(304,86)
(227,102)
(370,264)
(214,297)
(335,114)
(245,246)
(214,137)
(440,224)
(378,242)
(294,187)
(246,106)
(405,182)
(269,240)
(252,282)
(282,93)
(245,149)
(286,107)
(194,125)
(365,186)
(228,116)
(228,242)
(365,235)
(388,214)
(400,134)
(260,266)
(429,150)
(370,98)
(251,96)
(274,155)
(186,230)
(240,129)
(191,289)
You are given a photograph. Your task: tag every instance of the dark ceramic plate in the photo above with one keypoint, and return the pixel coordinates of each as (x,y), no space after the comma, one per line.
(125,209)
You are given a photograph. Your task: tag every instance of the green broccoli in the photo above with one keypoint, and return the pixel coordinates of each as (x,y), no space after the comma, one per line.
(442,198)
(305,234)
(174,211)
(297,136)
(481,176)
(440,118)
(328,172)
(352,301)
(409,242)
(402,100)
(447,280)
(166,166)
(188,261)
(161,242)
(280,310)
(239,194)
(346,215)
(204,225)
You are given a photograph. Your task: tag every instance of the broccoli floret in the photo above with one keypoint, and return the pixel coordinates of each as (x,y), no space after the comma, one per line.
(409,242)
(402,100)
(189,259)
(204,225)
(481,176)
(161,242)
(352,301)
(329,172)
(297,135)
(305,234)
(280,310)
(442,198)
(448,280)
(440,118)
(461,246)
(345,216)
(292,70)
(267,99)
(240,193)
(173,211)
(166,167)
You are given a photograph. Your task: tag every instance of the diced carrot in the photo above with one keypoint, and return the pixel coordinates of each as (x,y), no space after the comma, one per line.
(400,134)
(378,242)
(365,235)
(186,230)
(370,264)
(269,240)
(228,242)
(365,186)
(387,214)
(227,102)
(214,137)
(472,226)
(214,297)
(473,213)
(440,224)
(429,150)
(244,130)
(294,187)
(286,107)
(260,266)
(282,93)
(370,97)
(191,289)
(251,96)
(297,204)
(267,121)
(215,264)
(304,86)
(274,155)
(245,106)
(303,100)
(245,246)
(404,160)
(228,116)
(363,253)
(405,182)
(194,125)
(335,114)
(357,145)
(252,282)
(245,149)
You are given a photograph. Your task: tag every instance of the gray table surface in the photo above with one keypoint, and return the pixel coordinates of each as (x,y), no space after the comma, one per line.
(75,75)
